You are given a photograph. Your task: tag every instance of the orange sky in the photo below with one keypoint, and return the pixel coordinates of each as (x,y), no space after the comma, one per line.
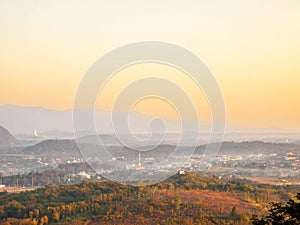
(251,47)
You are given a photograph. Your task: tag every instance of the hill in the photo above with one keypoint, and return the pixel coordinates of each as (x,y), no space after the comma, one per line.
(54,148)
(230,148)
(182,199)
(6,138)
(64,150)
(254,147)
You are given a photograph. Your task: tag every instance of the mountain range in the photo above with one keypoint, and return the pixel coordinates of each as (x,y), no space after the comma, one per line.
(39,121)
(69,148)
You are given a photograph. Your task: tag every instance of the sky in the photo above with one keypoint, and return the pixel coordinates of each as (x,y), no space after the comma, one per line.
(251,47)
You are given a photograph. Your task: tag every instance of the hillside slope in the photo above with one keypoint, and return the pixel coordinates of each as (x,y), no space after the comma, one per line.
(6,138)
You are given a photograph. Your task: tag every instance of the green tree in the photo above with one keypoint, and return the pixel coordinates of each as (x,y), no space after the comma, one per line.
(14,209)
(279,213)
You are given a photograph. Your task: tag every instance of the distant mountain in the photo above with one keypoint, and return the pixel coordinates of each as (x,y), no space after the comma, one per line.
(25,120)
(54,148)
(63,149)
(169,139)
(69,148)
(39,121)
(6,138)
(255,147)
(93,139)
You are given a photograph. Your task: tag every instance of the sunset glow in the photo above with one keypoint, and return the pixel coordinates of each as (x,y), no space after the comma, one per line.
(252,48)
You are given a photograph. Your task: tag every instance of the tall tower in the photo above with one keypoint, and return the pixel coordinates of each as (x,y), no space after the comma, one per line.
(139,159)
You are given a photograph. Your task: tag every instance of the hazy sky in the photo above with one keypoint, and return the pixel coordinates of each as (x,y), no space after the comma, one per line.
(251,47)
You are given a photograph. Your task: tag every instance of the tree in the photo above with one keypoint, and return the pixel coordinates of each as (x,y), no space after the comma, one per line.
(279,213)
(44,220)
(233,212)
(14,209)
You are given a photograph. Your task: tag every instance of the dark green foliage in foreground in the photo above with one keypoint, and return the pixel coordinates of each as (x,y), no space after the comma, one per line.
(279,213)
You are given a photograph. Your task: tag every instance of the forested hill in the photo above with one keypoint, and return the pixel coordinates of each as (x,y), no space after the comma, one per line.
(54,147)
(255,147)
(182,199)
(64,149)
